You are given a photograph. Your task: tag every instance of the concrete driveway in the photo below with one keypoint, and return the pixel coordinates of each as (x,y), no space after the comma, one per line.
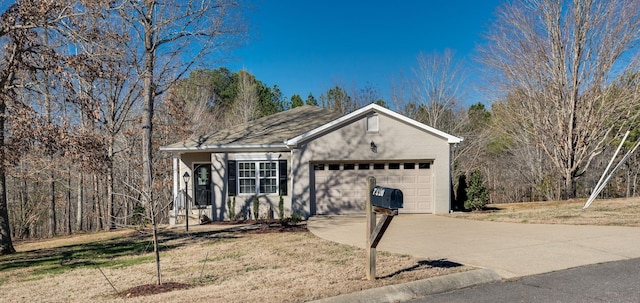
(511,250)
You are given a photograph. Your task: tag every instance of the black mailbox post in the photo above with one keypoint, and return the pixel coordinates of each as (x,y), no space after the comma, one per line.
(389,198)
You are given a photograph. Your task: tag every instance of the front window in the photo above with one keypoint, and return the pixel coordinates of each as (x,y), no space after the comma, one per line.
(247,177)
(258,177)
(268,178)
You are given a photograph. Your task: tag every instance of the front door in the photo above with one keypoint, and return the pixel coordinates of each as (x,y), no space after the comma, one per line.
(202,185)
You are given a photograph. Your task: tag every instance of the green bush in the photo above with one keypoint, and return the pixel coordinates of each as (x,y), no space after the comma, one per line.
(231,207)
(139,216)
(477,193)
(295,218)
(281,208)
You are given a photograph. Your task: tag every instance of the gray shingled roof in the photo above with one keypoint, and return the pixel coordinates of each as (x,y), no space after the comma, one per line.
(270,131)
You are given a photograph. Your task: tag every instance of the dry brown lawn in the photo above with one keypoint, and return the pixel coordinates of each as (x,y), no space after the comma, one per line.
(220,266)
(619,212)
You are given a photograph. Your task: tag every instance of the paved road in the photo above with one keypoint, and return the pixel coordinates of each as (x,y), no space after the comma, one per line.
(617,281)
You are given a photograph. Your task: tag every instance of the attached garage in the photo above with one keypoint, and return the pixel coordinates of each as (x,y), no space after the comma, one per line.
(316,161)
(334,161)
(340,188)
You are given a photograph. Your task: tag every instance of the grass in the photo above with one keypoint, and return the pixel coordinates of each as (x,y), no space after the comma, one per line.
(612,212)
(116,252)
(220,265)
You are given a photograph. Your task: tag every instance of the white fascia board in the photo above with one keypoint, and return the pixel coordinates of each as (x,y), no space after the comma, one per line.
(258,156)
(293,142)
(450,139)
(227,148)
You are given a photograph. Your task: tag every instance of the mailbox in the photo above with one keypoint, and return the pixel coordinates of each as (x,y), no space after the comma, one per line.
(390,198)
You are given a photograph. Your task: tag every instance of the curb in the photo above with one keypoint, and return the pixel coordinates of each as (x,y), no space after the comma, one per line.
(417,289)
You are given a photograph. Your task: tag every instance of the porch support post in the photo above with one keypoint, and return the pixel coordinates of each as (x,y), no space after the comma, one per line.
(173,213)
(176,178)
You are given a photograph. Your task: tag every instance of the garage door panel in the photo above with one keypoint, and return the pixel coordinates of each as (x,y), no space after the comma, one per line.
(409,192)
(395,179)
(411,186)
(410,205)
(423,192)
(424,179)
(345,191)
(409,179)
(421,207)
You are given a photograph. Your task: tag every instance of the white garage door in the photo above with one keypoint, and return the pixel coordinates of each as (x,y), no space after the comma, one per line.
(341,188)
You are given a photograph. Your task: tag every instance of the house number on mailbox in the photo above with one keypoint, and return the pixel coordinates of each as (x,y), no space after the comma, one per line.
(378,192)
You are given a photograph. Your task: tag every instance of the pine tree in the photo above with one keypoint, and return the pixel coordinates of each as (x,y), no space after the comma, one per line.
(477,193)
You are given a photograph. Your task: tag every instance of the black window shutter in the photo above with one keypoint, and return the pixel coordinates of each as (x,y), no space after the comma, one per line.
(282,173)
(231,181)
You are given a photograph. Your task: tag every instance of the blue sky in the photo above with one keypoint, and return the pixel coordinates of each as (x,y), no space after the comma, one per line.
(310,46)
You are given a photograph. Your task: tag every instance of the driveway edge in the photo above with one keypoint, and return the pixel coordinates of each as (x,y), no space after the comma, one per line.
(416,289)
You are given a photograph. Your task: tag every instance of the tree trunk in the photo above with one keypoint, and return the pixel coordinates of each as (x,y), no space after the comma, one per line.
(49,149)
(156,247)
(628,180)
(127,203)
(569,190)
(52,205)
(79,206)
(147,156)
(96,202)
(69,230)
(635,176)
(111,224)
(24,229)
(635,183)
(147,124)
(6,245)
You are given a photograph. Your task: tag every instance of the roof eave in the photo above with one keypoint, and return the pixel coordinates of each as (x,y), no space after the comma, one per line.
(226,148)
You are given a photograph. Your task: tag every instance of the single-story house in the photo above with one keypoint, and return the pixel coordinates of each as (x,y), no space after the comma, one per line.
(317,160)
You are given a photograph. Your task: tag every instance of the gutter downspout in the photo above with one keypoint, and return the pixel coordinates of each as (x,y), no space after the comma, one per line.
(451,191)
(450,179)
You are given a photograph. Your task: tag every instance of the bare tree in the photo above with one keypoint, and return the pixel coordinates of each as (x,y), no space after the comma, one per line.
(246,103)
(432,95)
(186,110)
(21,27)
(525,158)
(557,61)
(338,99)
(366,95)
(437,87)
(170,38)
(107,82)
